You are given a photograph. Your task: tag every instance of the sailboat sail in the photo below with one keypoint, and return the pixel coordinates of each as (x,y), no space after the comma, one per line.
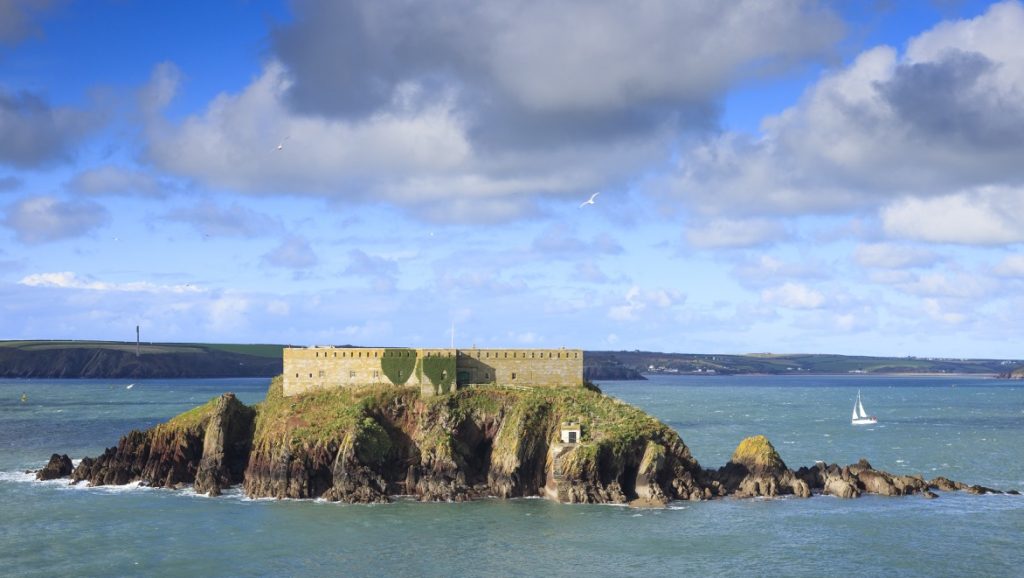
(860,417)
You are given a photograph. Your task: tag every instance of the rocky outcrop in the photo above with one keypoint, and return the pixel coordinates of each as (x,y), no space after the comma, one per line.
(171,454)
(757,470)
(59,466)
(227,440)
(365,446)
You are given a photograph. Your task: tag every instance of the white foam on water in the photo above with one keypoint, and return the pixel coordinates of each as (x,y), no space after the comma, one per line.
(19,476)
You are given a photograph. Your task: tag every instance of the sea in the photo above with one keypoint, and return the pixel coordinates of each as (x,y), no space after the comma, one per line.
(969,429)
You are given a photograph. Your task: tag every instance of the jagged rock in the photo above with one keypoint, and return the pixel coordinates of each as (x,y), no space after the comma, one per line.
(756,469)
(929,494)
(980,490)
(226,444)
(947,485)
(59,466)
(840,488)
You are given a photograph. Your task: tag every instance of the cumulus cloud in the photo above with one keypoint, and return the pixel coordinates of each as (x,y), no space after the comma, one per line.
(988,216)
(472,111)
(236,220)
(793,296)
(560,241)
(1011,266)
(735,233)
(70,280)
(590,62)
(36,133)
(43,219)
(382,272)
(638,300)
(933,128)
(293,253)
(767,270)
(893,256)
(113,180)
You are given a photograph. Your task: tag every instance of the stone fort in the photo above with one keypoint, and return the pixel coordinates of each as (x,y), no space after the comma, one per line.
(434,371)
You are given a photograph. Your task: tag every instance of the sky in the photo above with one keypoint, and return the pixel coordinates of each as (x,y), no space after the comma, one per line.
(774,176)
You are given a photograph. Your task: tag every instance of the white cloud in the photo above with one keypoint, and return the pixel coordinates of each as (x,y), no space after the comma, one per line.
(235,220)
(893,256)
(638,300)
(935,310)
(70,280)
(113,180)
(1011,266)
(793,296)
(932,133)
(42,219)
(989,216)
(735,233)
(293,253)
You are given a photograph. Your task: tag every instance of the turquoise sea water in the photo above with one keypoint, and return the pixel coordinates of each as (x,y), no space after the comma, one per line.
(969,429)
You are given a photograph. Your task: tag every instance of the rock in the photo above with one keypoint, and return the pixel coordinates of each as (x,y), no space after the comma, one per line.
(946,485)
(59,466)
(840,488)
(929,494)
(1013,492)
(756,469)
(980,490)
(226,444)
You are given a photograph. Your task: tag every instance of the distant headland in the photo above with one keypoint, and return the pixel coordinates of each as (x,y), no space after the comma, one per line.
(114,359)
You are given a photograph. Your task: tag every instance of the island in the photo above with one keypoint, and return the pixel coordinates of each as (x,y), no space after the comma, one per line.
(365,425)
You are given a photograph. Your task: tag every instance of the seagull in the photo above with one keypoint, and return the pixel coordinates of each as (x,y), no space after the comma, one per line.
(130,385)
(589,201)
(280,145)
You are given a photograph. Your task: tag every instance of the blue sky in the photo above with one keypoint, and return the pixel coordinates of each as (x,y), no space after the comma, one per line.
(785,176)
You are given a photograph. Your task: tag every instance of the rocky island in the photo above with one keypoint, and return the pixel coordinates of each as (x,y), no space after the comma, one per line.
(369,444)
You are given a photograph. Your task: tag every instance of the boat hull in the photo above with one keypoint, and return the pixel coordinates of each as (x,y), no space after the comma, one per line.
(864,421)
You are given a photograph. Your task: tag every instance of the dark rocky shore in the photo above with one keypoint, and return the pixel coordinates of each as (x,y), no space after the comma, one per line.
(367,446)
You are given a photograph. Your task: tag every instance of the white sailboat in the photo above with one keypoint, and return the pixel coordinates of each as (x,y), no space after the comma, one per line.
(861,417)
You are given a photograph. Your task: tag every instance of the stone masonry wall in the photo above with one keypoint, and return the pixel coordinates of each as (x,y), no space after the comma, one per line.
(527,367)
(308,369)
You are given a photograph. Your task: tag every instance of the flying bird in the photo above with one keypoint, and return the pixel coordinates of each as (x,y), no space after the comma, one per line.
(280,145)
(589,201)
(130,385)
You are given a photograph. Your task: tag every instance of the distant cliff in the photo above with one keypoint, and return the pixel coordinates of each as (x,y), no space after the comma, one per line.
(79,359)
(1017,373)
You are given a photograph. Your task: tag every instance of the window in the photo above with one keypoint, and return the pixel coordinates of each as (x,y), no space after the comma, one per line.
(506,355)
(376,374)
(572,437)
(351,375)
(320,373)
(335,354)
(296,375)
(375,354)
(310,375)
(513,375)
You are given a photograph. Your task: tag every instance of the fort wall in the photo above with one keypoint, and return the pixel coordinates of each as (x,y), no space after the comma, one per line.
(433,370)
